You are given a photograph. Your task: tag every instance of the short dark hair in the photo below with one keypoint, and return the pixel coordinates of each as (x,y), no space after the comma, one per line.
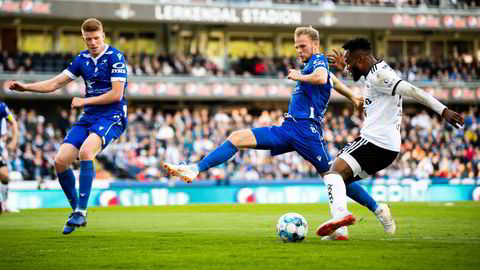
(92,25)
(358,44)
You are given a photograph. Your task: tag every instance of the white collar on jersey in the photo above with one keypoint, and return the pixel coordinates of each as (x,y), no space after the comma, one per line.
(87,55)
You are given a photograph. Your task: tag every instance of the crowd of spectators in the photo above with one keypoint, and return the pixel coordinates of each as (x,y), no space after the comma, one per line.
(464,67)
(430,147)
(380,3)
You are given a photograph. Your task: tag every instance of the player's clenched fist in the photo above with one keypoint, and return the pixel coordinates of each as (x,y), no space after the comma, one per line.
(16,86)
(293,74)
(77,102)
(337,59)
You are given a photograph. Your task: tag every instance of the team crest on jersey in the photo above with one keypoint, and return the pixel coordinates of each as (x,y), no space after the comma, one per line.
(89,84)
(119,55)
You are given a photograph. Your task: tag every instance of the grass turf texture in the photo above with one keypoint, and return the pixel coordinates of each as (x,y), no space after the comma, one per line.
(429,236)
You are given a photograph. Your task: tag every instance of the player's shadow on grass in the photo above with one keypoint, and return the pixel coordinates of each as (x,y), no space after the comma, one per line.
(78,236)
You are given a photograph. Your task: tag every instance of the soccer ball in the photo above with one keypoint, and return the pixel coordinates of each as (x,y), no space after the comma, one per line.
(292,227)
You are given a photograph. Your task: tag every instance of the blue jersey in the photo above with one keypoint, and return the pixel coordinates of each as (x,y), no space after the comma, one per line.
(98,74)
(310,101)
(4,111)
(4,114)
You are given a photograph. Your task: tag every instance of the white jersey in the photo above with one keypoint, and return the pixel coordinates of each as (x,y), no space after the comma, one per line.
(3,127)
(382,108)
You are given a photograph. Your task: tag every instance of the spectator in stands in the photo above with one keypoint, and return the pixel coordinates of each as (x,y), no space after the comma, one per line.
(154,136)
(463,67)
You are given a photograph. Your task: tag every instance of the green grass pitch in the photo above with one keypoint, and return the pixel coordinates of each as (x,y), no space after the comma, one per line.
(429,236)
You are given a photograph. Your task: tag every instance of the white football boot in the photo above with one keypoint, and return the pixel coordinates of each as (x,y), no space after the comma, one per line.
(339,234)
(187,173)
(385,217)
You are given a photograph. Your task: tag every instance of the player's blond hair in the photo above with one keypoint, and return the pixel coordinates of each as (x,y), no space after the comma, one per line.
(92,25)
(309,31)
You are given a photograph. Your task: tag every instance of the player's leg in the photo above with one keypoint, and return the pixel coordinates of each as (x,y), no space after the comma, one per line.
(63,159)
(308,142)
(103,131)
(89,149)
(315,152)
(357,193)
(360,160)
(365,161)
(337,198)
(239,139)
(273,138)
(65,156)
(3,185)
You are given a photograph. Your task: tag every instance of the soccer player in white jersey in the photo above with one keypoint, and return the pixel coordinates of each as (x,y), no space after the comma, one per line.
(6,115)
(379,142)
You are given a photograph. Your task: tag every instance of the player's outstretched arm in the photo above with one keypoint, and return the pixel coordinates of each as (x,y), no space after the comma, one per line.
(407,89)
(343,90)
(320,76)
(41,87)
(115,95)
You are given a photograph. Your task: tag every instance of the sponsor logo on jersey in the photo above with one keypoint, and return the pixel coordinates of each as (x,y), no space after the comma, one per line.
(118,65)
(119,68)
(120,71)
(89,84)
(318,62)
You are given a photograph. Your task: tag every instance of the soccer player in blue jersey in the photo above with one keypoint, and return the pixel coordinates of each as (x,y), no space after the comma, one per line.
(6,114)
(302,130)
(104,119)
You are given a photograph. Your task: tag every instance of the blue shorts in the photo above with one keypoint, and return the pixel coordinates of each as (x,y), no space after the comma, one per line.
(109,128)
(303,136)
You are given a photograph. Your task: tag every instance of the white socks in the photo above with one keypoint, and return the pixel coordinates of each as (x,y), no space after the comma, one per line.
(4,191)
(337,193)
(342,231)
(84,212)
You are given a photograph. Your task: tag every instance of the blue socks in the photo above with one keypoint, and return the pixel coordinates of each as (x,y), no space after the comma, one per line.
(86,179)
(356,192)
(67,182)
(218,156)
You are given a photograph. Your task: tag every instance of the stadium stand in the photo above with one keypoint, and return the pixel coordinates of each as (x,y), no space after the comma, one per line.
(430,42)
(430,147)
(464,67)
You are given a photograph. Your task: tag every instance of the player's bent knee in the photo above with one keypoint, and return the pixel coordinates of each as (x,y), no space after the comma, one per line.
(86,154)
(4,178)
(342,168)
(242,138)
(235,138)
(60,163)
